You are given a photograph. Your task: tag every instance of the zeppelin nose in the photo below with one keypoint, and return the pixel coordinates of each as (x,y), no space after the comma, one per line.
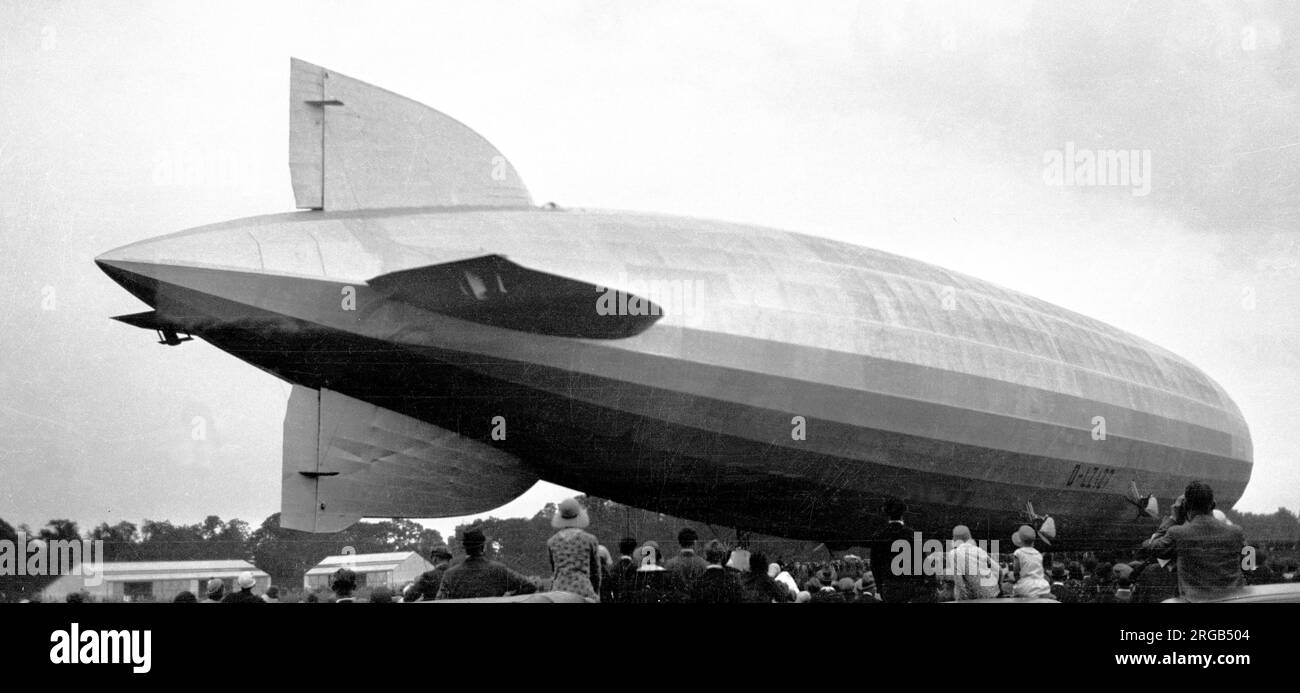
(115,255)
(119,267)
(179,259)
(115,262)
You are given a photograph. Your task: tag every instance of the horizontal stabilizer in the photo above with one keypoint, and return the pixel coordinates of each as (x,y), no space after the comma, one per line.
(345,459)
(168,330)
(353,145)
(149,320)
(492,290)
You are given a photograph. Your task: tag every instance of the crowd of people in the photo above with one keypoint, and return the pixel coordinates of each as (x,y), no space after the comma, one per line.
(242,592)
(1194,554)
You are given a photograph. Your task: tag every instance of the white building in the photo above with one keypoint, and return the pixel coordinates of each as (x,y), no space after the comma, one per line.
(157,581)
(373,569)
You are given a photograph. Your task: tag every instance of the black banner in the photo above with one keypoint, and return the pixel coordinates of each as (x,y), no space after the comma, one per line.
(150,642)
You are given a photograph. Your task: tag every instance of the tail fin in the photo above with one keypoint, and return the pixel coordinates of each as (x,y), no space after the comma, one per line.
(345,459)
(353,145)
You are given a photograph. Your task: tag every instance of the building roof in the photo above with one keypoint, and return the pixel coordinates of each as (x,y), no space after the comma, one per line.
(176,570)
(362,562)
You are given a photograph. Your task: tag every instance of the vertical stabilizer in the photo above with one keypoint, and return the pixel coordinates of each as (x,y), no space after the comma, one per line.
(353,145)
(345,459)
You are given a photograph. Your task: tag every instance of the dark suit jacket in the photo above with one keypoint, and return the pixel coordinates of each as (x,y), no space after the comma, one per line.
(1208,555)
(1156,584)
(429,582)
(655,587)
(619,584)
(913,587)
(687,565)
(242,597)
(477,577)
(716,586)
(759,588)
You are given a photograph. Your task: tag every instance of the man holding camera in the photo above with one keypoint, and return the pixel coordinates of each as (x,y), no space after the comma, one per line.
(1208,552)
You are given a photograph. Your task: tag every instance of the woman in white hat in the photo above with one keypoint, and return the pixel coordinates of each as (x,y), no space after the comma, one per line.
(575,554)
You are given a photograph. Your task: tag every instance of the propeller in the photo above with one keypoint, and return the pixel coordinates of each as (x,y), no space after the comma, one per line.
(1146,505)
(1045,524)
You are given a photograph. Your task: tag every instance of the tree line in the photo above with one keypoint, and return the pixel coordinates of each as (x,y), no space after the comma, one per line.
(286,555)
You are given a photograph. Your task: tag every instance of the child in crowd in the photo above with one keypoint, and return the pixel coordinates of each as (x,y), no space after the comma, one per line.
(1032,581)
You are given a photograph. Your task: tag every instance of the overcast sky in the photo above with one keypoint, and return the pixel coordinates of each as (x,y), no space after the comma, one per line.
(925,129)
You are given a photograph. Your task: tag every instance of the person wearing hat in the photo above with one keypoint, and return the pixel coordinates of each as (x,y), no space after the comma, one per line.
(822,592)
(848,587)
(215,592)
(716,585)
(478,577)
(911,585)
(652,583)
(429,582)
(1062,591)
(1123,592)
(1031,580)
(866,589)
(243,592)
(575,554)
(616,588)
(687,564)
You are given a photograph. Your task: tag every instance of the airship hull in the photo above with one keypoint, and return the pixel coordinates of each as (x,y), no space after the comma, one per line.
(789,386)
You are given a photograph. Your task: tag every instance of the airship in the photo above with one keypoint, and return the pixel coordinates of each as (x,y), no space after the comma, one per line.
(450,343)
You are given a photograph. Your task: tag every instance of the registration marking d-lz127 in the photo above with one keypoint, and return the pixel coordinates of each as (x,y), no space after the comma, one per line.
(1090,476)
